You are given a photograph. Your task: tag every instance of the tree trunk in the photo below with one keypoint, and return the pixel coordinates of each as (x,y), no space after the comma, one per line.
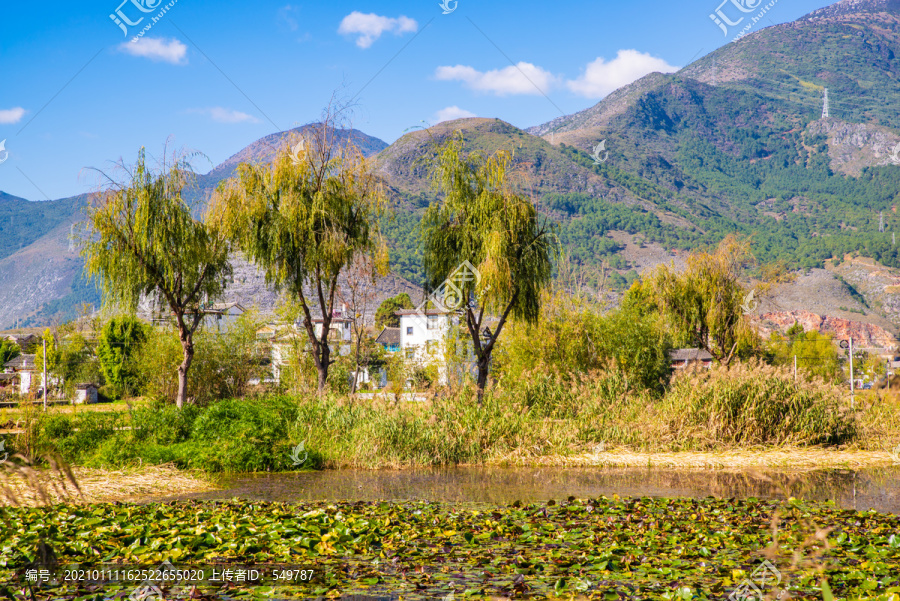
(187,345)
(356,373)
(483,363)
(322,366)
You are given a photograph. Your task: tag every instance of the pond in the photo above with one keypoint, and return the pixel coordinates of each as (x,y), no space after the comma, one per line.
(877,488)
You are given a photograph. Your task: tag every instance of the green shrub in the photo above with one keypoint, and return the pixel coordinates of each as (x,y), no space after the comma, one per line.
(224,362)
(77,436)
(162,423)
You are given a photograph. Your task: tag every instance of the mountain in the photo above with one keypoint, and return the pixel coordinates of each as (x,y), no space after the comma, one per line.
(264,149)
(41,274)
(735,142)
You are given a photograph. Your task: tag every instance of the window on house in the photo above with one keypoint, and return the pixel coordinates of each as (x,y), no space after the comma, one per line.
(432,322)
(430,345)
(409,331)
(410,353)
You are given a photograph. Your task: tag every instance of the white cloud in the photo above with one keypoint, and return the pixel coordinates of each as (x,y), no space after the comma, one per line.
(370,26)
(157,49)
(13,115)
(286,17)
(524,78)
(452,112)
(602,77)
(223,115)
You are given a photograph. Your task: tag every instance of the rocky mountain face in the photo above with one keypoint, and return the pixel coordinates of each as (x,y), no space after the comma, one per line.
(854,147)
(865,335)
(44,270)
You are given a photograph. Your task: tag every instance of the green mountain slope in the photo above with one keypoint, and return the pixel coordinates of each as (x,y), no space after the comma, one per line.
(751,153)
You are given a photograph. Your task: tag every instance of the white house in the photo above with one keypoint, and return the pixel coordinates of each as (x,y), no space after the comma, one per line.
(286,339)
(221,316)
(434,337)
(23,367)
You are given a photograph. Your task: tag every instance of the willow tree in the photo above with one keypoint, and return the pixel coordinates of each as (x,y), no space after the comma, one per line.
(143,240)
(705,304)
(482,220)
(303,218)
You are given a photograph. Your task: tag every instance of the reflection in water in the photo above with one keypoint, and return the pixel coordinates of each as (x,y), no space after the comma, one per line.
(865,489)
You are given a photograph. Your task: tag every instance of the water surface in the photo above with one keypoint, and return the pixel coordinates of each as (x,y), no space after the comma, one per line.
(877,488)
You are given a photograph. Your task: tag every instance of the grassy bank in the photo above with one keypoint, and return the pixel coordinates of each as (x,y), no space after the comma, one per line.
(541,418)
(599,548)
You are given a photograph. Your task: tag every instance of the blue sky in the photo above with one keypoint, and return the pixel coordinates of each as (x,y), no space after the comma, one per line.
(215,76)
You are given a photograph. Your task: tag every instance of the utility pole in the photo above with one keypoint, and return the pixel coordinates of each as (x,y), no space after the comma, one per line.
(825,106)
(45,373)
(881,222)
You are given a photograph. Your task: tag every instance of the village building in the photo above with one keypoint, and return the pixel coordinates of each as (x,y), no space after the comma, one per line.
(686,357)
(22,370)
(85,393)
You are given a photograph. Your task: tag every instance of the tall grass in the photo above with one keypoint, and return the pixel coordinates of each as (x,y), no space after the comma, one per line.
(537,415)
(755,404)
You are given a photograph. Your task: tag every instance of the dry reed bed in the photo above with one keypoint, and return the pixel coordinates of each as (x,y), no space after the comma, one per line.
(800,458)
(18,487)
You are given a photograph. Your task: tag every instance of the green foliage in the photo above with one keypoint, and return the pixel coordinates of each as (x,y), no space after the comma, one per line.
(76,360)
(224,364)
(337,539)
(384,316)
(9,350)
(120,343)
(482,221)
(816,353)
(77,437)
(144,240)
(703,304)
(302,219)
(574,336)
